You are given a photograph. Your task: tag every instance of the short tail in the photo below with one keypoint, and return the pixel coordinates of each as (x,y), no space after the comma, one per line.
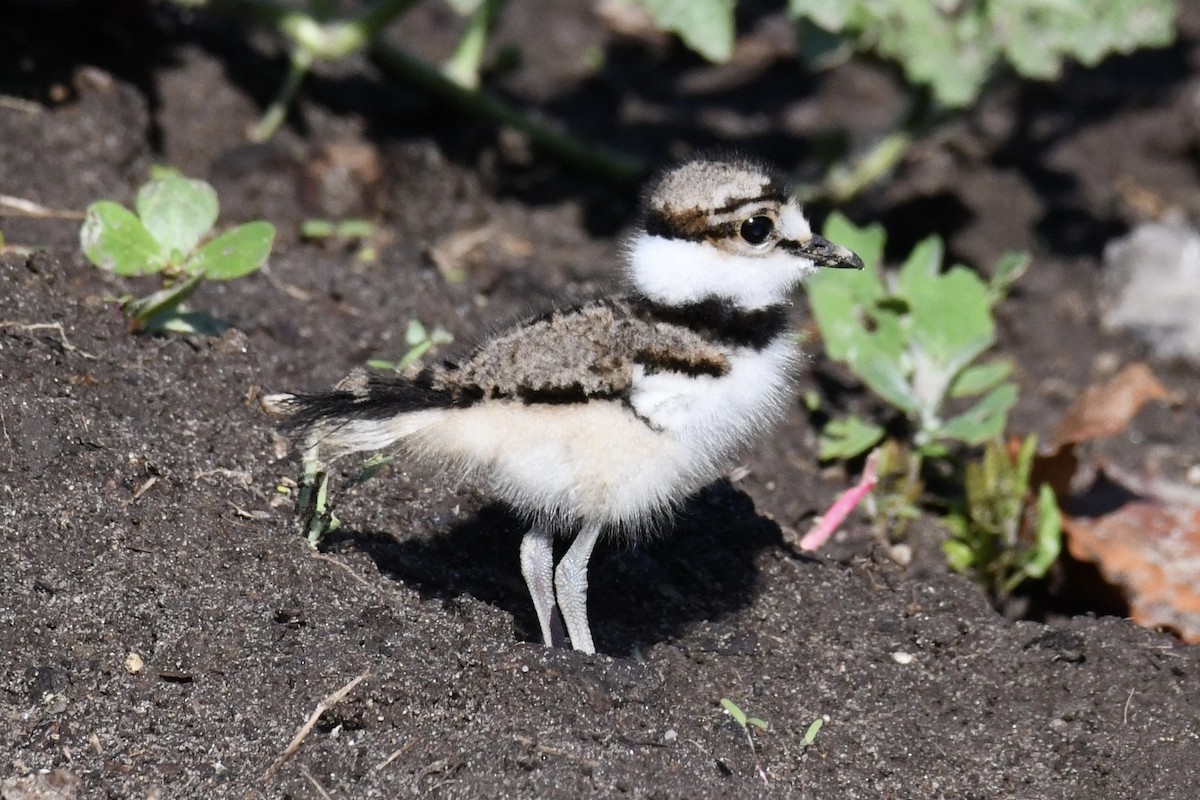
(363,413)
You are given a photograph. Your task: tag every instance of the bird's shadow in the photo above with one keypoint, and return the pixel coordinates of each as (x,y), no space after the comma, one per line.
(700,568)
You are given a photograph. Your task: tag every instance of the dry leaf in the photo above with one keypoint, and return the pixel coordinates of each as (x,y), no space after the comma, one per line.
(1151,551)
(1105,409)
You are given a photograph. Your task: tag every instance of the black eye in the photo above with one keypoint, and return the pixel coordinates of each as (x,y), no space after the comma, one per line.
(757,230)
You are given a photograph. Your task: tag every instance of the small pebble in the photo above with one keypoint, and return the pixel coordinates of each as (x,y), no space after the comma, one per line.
(900,657)
(134,663)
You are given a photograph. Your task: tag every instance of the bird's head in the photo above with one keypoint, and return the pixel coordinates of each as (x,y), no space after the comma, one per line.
(727,231)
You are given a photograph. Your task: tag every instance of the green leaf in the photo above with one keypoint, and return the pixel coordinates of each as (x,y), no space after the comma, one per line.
(848,437)
(980,378)
(178,212)
(415,333)
(114,239)
(925,260)
(955,47)
(884,375)
(1011,266)
(235,253)
(317,228)
(951,319)
(1047,543)
(810,735)
(831,15)
(731,708)
(958,555)
(986,420)
(705,26)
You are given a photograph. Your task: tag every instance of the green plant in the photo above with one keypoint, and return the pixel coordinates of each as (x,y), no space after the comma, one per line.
(745,723)
(947,51)
(913,337)
(348,230)
(810,735)
(420,341)
(174,215)
(999,532)
(313,33)
(954,47)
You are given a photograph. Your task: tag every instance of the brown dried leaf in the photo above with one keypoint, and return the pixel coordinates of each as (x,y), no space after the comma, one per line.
(1105,409)
(1151,551)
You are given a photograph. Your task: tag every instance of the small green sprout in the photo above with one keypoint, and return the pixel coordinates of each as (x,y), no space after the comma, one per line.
(420,341)
(312,501)
(361,231)
(174,214)
(810,735)
(999,533)
(329,229)
(745,723)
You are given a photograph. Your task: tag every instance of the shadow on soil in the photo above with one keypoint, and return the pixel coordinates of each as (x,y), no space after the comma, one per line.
(702,568)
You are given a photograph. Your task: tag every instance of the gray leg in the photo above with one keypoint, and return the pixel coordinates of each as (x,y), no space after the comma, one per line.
(537,565)
(571,581)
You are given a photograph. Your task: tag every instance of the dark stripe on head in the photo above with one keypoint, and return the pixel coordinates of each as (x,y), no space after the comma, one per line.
(721,320)
(773,195)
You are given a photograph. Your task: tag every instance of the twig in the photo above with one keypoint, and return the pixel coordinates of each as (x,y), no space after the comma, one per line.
(395,754)
(27,208)
(53,326)
(593,158)
(141,490)
(316,784)
(837,513)
(323,706)
(1125,714)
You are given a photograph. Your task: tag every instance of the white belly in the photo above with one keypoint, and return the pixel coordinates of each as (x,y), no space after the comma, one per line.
(565,463)
(601,460)
(715,417)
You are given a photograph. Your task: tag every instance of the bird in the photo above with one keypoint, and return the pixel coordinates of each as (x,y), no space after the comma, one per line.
(599,418)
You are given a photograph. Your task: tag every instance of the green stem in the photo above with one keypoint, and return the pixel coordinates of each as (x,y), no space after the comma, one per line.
(593,158)
(463,66)
(276,113)
(337,39)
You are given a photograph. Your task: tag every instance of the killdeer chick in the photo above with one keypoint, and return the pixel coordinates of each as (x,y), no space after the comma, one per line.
(599,419)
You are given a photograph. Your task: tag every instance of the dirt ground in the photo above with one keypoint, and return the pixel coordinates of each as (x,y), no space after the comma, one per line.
(141,520)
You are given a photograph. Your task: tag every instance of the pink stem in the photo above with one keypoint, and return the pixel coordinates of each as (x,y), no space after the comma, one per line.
(837,513)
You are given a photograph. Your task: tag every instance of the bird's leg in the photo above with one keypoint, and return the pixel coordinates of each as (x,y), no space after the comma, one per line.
(537,565)
(571,583)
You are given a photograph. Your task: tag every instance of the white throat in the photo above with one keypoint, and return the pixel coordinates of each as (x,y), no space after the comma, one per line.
(682,271)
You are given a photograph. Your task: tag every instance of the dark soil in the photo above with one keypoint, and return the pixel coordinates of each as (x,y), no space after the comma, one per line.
(140,511)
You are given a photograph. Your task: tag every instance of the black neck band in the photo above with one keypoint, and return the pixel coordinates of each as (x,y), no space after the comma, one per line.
(722,320)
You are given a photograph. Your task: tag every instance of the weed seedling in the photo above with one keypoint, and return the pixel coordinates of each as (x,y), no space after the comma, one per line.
(420,341)
(360,231)
(914,337)
(810,735)
(745,723)
(174,214)
(999,532)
